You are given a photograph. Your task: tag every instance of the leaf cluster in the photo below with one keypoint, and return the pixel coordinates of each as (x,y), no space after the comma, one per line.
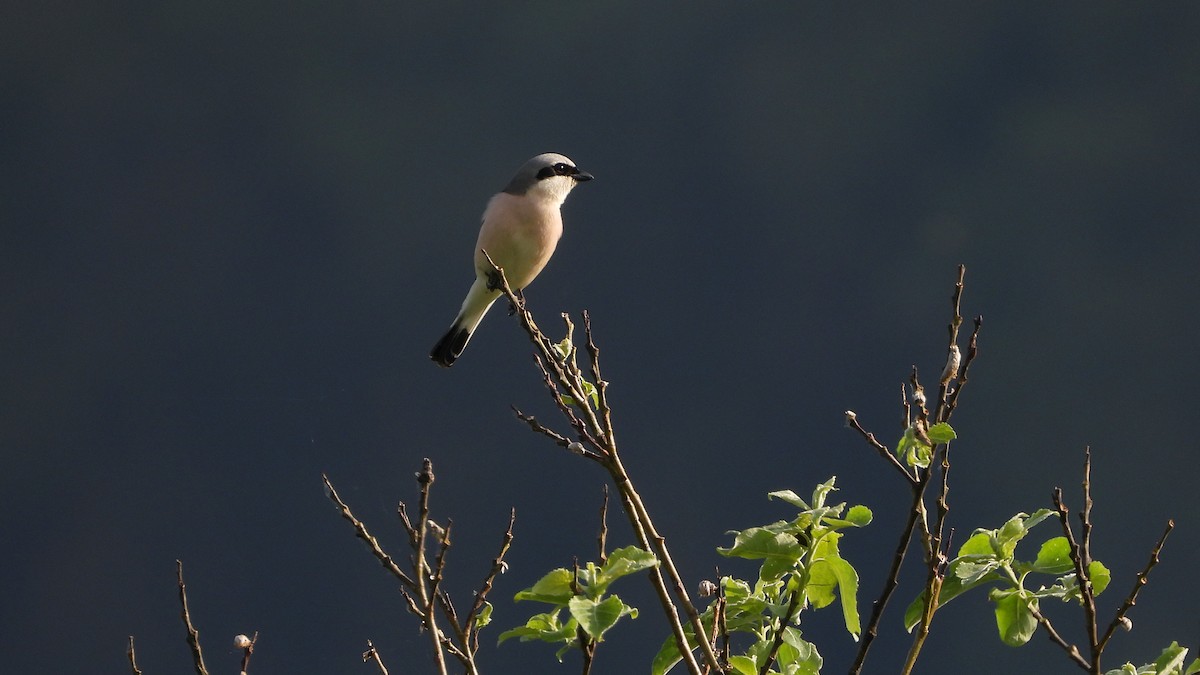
(989,557)
(583,593)
(801,566)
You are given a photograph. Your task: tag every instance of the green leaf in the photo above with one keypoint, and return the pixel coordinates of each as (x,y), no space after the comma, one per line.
(1099,575)
(1170,662)
(962,576)
(980,544)
(743,665)
(484,617)
(848,591)
(790,497)
(543,628)
(859,516)
(941,433)
(913,451)
(822,491)
(1054,557)
(756,543)
(803,658)
(1013,617)
(597,617)
(624,561)
(1005,541)
(554,588)
(667,656)
(563,348)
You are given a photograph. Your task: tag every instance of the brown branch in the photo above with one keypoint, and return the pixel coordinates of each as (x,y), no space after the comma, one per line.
(360,530)
(972,352)
(880,448)
(1071,650)
(498,566)
(372,654)
(193,634)
(562,372)
(602,536)
(559,439)
(1131,599)
(1085,550)
(247,651)
(953,354)
(132,658)
(1081,576)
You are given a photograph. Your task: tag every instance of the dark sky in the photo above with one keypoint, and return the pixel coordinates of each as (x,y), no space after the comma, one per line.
(230,232)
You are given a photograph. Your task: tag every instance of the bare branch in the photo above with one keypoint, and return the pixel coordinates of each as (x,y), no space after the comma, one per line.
(1071,650)
(193,634)
(1131,599)
(880,448)
(360,530)
(132,658)
(372,654)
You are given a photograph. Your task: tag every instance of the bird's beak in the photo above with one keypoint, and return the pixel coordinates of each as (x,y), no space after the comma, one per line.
(582,176)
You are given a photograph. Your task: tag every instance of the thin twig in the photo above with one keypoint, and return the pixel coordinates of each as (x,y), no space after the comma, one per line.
(247,651)
(972,352)
(372,654)
(1131,599)
(193,634)
(132,658)
(1085,550)
(1071,650)
(1081,573)
(880,448)
(425,595)
(498,566)
(602,536)
(360,530)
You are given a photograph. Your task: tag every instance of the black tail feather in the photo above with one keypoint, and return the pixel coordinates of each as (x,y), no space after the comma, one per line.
(451,346)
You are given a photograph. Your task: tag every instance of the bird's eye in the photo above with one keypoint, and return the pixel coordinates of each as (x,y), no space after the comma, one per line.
(562,169)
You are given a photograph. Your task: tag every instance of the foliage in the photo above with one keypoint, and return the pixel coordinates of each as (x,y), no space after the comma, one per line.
(989,556)
(801,567)
(583,594)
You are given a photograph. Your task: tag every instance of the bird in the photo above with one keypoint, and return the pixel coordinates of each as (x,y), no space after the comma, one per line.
(521,228)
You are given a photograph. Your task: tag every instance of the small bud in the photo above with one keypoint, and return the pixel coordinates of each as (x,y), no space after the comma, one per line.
(707,589)
(576,447)
(952,360)
(1126,623)
(241,642)
(918,397)
(851,416)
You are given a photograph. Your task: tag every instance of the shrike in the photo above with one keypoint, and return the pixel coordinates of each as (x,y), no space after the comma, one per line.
(521,226)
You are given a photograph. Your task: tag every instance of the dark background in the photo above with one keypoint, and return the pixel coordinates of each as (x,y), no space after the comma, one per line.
(231,231)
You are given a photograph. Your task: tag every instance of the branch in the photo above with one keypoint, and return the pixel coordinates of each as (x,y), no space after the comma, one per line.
(193,634)
(1071,650)
(360,530)
(132,658)
(498,566)
(880,448)
(372,654)
(1131,599)
(247,646)
(562,375)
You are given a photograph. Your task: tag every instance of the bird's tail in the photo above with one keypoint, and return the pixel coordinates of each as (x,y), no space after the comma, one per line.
(451,346)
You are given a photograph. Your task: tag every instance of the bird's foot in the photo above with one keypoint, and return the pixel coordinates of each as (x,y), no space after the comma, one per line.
(514,307)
